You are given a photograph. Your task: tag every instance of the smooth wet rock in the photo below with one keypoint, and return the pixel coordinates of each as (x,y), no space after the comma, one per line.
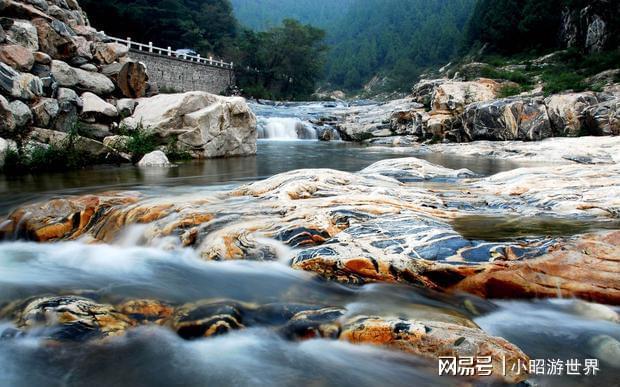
(154,159)
(606,349)
(70,318)
(434,339)
(205,124)
(206,319)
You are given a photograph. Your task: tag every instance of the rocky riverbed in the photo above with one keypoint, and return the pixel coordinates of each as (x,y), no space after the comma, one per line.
(548,231)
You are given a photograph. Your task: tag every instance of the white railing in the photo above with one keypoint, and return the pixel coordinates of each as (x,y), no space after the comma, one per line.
(210,61)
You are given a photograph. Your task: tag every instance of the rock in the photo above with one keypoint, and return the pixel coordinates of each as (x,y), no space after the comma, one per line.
(433,339)
(94,82)
(154,159)
(96,131)
(55,39)
(64,74)
(45,111)
(18,57)
(96,108)
(126,107)
(73,318)
(89,67)
(206,125)
(566,112)
(70,106)
(453,96)
(21,114)
(206,319)
(43,72)
(603,118)
(19,85)
(147,311)
(132,79)
(117,142)
(25,11)
(23,33)
(422,91)
(507,119)
(106,53)
(411,169)
(594,311)
(84,49)
(7,120)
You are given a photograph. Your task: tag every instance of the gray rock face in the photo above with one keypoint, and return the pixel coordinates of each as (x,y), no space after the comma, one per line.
(507,119)
(19,85)
(205,125)
(604,118)
(5,146)
(154,159)
(592,27)
(21,113)
(64,74)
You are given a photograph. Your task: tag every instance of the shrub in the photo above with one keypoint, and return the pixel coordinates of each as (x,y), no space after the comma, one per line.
(556,82)
(509,91)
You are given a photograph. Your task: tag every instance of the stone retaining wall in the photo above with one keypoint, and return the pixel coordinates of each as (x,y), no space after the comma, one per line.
(177,75)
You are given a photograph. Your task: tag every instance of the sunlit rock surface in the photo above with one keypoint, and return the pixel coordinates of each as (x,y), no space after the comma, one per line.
(382,224)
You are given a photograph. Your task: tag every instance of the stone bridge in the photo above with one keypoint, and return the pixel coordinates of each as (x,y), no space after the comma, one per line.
(175,72)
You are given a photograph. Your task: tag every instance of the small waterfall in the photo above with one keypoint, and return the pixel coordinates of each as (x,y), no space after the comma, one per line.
(285,128)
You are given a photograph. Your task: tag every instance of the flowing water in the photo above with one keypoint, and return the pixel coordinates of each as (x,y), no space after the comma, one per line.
(257,356)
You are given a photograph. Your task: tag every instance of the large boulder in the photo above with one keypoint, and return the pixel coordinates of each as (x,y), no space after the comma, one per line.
(132,79)
(204,124)
(453,96)
(507,119)
(70,105)
(96,109)
(64,74)
(603,118)
(22,32)
(19,85)
(566,111)
(154,159)
(16,56)
(72,77)
(55,39)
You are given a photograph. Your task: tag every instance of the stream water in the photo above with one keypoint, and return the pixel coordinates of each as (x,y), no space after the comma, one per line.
(559,329)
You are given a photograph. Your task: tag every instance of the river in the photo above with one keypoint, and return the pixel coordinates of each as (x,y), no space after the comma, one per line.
(154,356)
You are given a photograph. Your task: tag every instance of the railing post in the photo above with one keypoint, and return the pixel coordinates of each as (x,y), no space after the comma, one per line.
(150,46)
(198,55)
(128,42)
(169,51)
(210,60)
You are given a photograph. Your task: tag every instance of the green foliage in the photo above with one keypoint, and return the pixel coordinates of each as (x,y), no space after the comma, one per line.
(283,62)
(556,82)
(397,38)
(509,91)
(514,76)
(261,15)
(55,157)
